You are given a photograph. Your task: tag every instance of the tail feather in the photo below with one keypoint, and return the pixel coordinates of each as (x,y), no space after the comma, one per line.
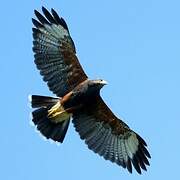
(42,101)
(48,128)
(60,131)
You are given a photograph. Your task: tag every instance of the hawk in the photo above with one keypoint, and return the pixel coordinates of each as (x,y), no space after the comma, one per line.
(78,98)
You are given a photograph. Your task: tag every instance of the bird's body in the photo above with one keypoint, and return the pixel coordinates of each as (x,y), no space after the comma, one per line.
(78,98)
(82,95)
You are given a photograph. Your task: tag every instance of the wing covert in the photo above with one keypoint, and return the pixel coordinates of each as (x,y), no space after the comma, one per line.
(55,54)
(111,137)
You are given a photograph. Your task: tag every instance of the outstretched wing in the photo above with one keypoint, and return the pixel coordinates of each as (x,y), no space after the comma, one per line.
(55,54)
(110,137)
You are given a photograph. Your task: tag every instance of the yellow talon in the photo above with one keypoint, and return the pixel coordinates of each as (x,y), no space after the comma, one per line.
(57,113)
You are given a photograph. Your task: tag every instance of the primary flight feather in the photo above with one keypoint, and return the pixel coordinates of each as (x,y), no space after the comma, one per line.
(78,98)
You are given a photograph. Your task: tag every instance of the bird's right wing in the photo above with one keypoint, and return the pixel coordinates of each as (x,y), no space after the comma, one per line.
(55,54)
(110,137)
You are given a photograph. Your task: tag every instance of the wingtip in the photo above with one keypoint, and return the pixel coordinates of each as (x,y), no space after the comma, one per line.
(141,140)
(35,12)
(129,165)
(136,164)
(44,9)
(33,21)
(53,11)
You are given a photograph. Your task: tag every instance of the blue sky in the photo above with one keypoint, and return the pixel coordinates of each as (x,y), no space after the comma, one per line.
(135,46)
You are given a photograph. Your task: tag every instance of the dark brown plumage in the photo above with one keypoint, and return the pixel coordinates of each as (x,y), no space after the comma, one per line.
(78,98)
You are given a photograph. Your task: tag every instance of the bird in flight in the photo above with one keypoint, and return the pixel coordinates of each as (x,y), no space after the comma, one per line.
(78,98)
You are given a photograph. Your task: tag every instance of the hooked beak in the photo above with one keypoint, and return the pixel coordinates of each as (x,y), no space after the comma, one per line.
(103,82)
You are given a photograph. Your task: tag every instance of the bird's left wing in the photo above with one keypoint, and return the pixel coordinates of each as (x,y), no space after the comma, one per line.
(110,137)
(55,54)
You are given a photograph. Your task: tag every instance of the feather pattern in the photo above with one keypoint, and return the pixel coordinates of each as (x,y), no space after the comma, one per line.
(105,134)
(55,54)
(110,137)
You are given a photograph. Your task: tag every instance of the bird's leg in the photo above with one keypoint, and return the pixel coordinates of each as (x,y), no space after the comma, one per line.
(66,98)
(58,113)
(73,109)
(55,110)
(58,108)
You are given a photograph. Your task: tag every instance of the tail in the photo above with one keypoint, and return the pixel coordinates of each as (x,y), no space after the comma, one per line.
(48,119)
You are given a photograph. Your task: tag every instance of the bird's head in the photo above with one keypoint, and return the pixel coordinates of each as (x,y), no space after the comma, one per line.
(96,85)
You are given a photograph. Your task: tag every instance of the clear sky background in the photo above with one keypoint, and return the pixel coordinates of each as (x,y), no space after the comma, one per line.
(135,46)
